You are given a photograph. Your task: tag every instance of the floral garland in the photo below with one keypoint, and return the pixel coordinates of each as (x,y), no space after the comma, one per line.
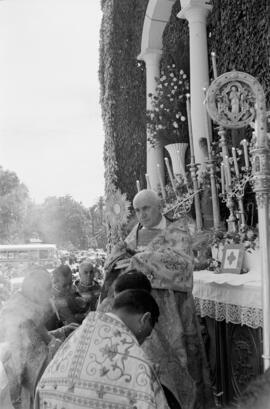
(166,121)
(247,236)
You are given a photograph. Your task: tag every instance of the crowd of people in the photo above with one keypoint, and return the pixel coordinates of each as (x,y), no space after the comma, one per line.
(133,342)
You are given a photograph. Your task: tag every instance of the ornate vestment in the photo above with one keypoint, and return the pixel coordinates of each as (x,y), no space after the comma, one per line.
(175,346)
(100,366)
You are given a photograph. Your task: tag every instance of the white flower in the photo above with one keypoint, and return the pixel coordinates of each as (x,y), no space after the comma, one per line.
(175,79)
(171,74)
(163,78)
(184,76)
(180,82)
(166,84)
(161,106)
(183,118)
(175,87)
(171,99)
(181,72)
(177,115)
(173,91)
(175,124)
(173,65)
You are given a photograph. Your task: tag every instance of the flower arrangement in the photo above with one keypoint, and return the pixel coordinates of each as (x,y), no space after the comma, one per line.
(247,236)
(167,121)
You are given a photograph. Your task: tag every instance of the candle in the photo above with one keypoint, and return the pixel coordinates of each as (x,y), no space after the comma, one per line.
(206,124)
(222,178)
(148,184)
(235,162)
(214,64)
(190,129)
(244,143)
(161,182)
(228,170)
(170,174)
(138,185)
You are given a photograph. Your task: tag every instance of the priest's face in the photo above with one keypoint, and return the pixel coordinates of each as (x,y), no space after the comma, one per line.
(148,210)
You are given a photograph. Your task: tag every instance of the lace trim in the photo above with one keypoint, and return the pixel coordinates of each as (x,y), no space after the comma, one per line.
(250,316)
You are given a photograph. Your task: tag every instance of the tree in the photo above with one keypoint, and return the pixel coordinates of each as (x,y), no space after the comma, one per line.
(14,200)
(99,235)
(65,222)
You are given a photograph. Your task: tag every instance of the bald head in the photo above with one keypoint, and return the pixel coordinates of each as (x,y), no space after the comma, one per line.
(147,206)
(87,272)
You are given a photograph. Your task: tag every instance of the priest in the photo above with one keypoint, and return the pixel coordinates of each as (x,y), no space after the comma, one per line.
(162,250)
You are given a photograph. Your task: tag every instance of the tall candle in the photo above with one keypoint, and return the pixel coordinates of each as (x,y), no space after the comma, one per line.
(190,128)
(138,185)
(214,64)
(244,143)
(148,184)
(222,178)
(161,182)
(235,162)
(206,124)
(170,174)
(228,170)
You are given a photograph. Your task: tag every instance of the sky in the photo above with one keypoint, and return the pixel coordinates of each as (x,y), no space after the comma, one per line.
(51,133)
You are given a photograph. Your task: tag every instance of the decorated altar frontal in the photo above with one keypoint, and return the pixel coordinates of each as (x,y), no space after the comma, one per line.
(233,298)
(230,309)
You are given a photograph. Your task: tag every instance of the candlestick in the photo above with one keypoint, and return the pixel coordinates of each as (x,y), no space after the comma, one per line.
(148,184)
(161,182)
(206,125)
(235,162)
(222,178)
(138,185)
(228,170)
(214,64)
(170,175)
(190,129)
(244,143)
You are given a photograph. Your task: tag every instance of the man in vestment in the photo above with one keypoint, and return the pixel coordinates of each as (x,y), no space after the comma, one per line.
(162,250)
(102,365)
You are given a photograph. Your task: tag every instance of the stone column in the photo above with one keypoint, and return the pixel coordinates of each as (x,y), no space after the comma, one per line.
(154,155)
(196,11)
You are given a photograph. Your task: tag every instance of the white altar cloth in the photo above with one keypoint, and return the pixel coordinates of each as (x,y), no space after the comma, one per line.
(235,298)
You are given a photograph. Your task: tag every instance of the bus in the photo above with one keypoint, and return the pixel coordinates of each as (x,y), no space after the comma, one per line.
(14,259)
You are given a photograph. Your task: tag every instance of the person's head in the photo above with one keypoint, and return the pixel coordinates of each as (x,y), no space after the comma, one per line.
(132,280)
(62,279)
(87,272)
(37,286)
(138,310)
(147,206)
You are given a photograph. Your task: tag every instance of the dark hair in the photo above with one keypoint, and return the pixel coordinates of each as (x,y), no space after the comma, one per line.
(137,302)
(63,271)
(132,280)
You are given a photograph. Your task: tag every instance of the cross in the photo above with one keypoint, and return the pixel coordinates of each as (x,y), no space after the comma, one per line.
(231,258)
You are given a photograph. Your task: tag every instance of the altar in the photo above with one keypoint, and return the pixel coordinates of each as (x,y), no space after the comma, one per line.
(230,311)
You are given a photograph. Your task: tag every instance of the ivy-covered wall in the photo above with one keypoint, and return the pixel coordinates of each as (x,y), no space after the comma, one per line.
(239,32)
(123,97)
